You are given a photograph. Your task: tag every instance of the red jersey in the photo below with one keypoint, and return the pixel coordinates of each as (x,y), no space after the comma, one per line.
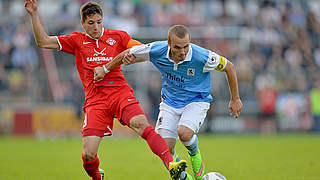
(91,53)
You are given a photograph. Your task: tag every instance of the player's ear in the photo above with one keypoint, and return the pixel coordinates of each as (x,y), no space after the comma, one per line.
(82,23)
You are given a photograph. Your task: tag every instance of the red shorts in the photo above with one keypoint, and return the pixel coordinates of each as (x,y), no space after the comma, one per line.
(109,103)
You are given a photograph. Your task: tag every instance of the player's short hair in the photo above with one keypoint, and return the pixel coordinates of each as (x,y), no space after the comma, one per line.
(90,8)
(179,30)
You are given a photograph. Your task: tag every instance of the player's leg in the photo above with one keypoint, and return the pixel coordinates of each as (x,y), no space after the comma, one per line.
(171,142)
(134,117)
(166,126)
(170,138)
(97,124)
(89,156)
(190,141)
(158,146)
(191,120)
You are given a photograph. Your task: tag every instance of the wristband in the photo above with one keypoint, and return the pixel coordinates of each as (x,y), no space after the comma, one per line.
(105,69)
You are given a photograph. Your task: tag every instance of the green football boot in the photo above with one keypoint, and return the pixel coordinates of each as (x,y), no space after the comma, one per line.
(197,166)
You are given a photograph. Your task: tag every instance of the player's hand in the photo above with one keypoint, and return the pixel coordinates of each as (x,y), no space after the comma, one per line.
(235,107)
(98,74)
(31,6)
(128,59)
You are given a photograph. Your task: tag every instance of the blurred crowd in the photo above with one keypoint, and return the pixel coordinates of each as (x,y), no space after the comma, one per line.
(274,45)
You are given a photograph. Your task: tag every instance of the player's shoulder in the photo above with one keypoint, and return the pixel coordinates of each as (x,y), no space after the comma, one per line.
(199,54)
(159,47)
(160,44)
(75,37)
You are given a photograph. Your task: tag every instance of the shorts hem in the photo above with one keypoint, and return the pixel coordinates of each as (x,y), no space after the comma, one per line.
(95,132)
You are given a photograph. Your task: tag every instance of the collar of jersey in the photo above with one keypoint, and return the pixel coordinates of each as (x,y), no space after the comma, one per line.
(188,56)
(95,38)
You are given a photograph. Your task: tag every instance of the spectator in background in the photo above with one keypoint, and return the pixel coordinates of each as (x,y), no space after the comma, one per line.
(16,85)
(77,96)
(194,17)
(179,13)
(24,56)
(125,20)
(284,23)
(5,14)
(269,14)
(267,97)
(316,55)
(245,74)
(3,80)
(161,16)
(6,35)
(278,67)
(153,93)
(24,61)
(297,16)
(315,105)
(313,28)
(293,56)
(5,48)
(65,20)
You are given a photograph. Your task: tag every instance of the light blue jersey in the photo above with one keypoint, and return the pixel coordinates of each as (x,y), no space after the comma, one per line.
(187,81)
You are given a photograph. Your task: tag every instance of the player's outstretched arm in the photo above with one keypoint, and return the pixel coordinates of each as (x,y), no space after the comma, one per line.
(41,37)
(235,104)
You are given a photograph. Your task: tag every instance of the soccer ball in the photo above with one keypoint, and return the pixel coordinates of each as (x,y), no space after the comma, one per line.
(213,176)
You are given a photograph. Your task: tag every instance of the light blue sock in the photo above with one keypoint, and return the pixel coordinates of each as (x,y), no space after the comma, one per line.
(192,145)
(176,158)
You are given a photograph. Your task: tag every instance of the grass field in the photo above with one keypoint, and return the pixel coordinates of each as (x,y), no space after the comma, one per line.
(238,157)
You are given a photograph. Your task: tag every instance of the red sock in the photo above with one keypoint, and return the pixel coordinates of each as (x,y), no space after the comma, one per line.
(157,145)
(92,168)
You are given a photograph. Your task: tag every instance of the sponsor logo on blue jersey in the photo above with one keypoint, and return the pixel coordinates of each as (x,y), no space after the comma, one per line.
(174,77)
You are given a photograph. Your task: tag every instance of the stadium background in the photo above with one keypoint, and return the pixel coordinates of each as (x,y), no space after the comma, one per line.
(273,44)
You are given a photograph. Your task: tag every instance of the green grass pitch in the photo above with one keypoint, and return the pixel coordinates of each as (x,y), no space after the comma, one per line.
(238,157)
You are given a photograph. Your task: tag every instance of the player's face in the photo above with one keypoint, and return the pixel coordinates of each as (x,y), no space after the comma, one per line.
(93,25)
(179,47)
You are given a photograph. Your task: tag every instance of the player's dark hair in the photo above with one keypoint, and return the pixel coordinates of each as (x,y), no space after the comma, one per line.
(179,30)
(90,8)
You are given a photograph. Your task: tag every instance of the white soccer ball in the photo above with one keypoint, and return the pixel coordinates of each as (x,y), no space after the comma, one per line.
(213,176)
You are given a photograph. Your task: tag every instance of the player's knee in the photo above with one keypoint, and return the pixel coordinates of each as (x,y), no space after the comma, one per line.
(139,121)
(88,156)
(184,136)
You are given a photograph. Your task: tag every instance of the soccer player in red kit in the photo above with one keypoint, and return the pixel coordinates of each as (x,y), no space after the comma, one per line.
(107,99)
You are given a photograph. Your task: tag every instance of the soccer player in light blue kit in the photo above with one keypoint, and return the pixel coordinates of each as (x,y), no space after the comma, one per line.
(186,87)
